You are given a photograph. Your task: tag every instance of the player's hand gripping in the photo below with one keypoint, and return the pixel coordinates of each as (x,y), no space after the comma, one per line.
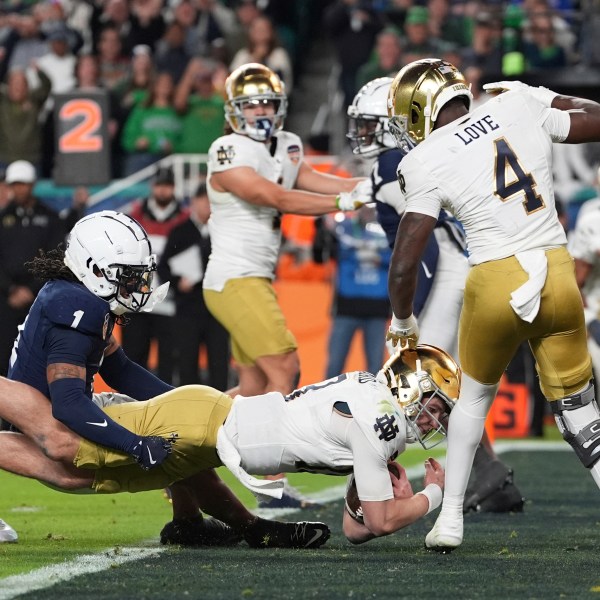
(150,451)
(542,94)
(434,473)
(361,194)
(403,332)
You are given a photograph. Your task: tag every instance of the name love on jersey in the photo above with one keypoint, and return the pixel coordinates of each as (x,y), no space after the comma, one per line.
(474,131)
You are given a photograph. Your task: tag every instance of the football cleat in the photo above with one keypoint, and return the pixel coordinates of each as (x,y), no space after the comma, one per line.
(276,534)
(199,531)
(447,533)
(7,533)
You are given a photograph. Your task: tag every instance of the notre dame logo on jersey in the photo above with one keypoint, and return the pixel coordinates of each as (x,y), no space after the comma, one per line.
(402,182)
(225,155)
(387,427)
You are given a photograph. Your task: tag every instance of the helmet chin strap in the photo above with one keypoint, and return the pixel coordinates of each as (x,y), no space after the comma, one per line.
(427,113)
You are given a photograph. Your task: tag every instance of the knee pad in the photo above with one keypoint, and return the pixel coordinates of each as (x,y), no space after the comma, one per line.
(578,419)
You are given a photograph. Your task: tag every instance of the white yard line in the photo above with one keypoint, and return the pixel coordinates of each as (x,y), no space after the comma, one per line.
(45,577)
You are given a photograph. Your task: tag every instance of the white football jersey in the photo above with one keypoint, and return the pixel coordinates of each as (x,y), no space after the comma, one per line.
(584,244)
(490,169)
(308,430)
(245,237)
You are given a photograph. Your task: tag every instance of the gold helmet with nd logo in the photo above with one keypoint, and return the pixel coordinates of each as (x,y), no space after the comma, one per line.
(250,86)
(418,93)
(426,382)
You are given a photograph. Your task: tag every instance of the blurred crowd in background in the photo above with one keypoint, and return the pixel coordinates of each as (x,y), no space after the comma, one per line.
(164,63)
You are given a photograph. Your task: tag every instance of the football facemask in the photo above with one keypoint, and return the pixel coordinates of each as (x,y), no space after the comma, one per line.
(368,130)
(425,382)
(249,86)
(418,93)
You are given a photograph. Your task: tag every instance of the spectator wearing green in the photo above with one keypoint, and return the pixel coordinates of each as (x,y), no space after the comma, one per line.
(201,108)
(153,128)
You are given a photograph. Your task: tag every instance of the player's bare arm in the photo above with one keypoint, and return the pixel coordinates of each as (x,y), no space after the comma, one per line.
(388,516)
(58,371)
(311,180)
(247,184)
(585,118)
(413,232)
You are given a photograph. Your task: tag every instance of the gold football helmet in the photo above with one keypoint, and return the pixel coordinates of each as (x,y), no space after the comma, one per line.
(254,83)
(418,93)
(416,377)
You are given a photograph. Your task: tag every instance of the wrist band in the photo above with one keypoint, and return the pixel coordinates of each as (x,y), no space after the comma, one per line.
(397,323)
(433,493)
(337,201)
(544,95)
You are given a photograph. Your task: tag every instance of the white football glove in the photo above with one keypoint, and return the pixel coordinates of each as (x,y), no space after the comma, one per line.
(404,332)
(353,200)
(542,94)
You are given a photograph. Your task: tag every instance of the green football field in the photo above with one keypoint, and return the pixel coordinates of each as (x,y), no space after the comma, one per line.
(552,550)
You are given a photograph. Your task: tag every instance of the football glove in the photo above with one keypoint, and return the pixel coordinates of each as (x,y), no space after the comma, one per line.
(353,200)
(150,451)
(542,94)
(404,332)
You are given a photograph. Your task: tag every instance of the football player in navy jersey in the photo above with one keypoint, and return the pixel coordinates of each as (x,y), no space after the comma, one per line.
(441,276)
(105,272)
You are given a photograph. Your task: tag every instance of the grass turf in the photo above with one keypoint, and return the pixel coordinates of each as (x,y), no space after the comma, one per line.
(54,526)
(549,551)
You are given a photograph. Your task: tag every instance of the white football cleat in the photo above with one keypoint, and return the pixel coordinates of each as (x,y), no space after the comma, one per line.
(7,533)
(447,533)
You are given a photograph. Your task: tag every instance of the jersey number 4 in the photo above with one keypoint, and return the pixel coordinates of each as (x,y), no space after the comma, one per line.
(521,183)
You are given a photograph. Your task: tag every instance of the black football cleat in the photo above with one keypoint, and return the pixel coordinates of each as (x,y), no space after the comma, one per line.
(276,534)
(199,531)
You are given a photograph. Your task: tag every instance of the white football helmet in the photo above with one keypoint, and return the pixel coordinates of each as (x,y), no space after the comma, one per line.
(417,376)
(254,83)
(368,125)
(110,253)
(418,93)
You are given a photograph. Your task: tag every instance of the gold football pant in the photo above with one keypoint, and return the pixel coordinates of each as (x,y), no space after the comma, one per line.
(191,415)
(247,307)
(490,331)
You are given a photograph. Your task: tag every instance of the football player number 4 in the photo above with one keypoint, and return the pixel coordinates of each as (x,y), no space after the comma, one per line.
(84,135)
(522,183)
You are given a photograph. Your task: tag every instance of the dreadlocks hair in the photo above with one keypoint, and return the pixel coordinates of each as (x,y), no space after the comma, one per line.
(51,265)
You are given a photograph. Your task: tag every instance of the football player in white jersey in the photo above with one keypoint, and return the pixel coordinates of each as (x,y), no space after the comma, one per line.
(441,278)
(492,169)
(256,173)
(353,423)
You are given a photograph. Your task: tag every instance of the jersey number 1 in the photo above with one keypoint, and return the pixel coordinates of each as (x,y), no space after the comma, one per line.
(524,182)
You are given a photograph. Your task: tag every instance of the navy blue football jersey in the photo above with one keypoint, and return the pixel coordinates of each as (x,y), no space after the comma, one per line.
(66,324)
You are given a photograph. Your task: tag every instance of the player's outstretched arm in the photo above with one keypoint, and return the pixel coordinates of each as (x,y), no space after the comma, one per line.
(585,118)
(247,184)
(311,180)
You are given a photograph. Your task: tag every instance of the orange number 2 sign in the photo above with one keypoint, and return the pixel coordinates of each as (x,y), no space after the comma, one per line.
(84,136)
